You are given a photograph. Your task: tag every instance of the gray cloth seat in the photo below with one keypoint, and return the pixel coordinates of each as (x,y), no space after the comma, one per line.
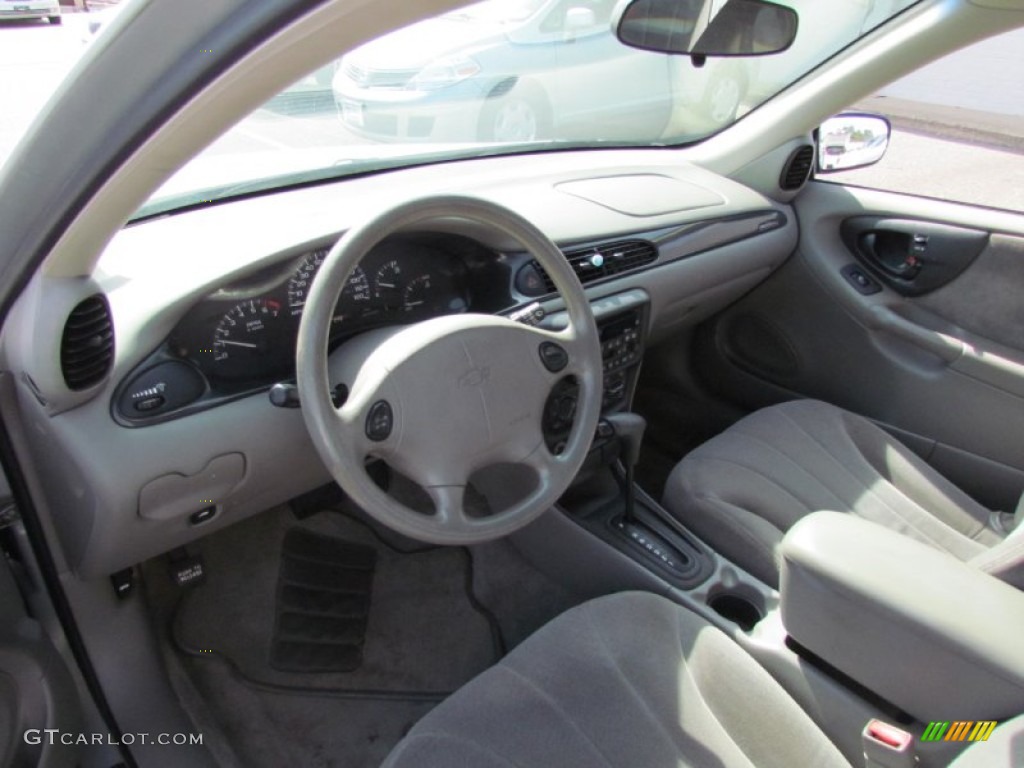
(742,490)
(632,680)
(625,680)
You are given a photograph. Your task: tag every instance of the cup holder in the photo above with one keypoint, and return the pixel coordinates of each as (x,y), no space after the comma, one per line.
(739,609)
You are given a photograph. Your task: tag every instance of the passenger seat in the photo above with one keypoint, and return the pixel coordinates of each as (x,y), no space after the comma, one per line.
(742,490)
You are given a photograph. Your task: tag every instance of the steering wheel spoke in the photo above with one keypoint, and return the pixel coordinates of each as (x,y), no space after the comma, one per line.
(449,500)
(350,424)
(542,463)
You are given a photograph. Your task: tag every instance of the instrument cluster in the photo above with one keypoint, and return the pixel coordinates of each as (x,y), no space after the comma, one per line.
(245,333)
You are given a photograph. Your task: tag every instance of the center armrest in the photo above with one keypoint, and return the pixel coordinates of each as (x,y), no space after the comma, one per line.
(920,628)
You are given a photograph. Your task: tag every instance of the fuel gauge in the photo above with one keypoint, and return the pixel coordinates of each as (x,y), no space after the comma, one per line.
(388,284)
(417,295)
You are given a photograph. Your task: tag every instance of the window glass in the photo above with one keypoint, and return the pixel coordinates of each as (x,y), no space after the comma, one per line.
(500,77)
(958,128)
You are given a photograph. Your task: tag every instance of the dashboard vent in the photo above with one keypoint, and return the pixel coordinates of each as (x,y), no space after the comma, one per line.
(87,345)
(595,263)
(797,168)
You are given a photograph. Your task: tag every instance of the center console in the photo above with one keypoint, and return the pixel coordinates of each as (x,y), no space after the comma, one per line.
(606,503)
(915,625)
(621,515)
(621,322)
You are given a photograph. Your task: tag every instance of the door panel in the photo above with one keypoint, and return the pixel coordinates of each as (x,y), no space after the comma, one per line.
(945,368)
(37,691)
(987,300)
(36,688)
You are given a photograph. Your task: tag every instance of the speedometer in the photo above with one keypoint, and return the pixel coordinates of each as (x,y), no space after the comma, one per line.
(357,287)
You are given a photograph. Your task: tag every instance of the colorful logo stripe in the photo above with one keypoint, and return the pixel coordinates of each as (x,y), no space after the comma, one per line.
(935,731)
(959,730)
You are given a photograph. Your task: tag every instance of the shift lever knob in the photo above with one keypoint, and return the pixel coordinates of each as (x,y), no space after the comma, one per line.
(630,429)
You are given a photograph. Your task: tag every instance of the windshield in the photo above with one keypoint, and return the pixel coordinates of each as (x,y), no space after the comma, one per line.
(500,77)
(501,12)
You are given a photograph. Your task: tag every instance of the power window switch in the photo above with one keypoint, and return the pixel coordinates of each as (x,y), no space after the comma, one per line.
(860,280)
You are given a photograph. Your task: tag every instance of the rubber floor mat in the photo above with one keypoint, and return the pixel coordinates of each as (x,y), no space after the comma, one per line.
(323,603)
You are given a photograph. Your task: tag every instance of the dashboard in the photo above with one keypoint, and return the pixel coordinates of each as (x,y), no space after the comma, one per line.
(181,437)
(240,338)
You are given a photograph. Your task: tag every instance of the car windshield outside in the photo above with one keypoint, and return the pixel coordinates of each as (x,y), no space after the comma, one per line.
(500,77)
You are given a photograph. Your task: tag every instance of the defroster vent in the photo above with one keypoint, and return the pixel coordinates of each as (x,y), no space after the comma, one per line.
(590,264)
(87,345)
(797,168)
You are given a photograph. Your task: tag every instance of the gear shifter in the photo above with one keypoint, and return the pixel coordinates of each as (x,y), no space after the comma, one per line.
(635,524)
(629,427)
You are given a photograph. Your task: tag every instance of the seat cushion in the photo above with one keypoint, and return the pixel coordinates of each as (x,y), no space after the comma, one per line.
(742,490)
(625,680)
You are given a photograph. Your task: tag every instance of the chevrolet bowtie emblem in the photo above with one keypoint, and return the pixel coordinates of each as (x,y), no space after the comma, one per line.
(474,377)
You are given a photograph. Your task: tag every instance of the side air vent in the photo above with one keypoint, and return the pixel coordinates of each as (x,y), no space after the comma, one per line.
(590,264)
(797,168)
(87,345)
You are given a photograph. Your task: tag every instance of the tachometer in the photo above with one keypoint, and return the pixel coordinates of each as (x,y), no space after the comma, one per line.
(244,330)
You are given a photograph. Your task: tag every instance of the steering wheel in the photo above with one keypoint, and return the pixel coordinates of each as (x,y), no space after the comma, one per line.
(447,397)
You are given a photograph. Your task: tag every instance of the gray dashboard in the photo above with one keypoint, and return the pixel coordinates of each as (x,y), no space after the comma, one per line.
(124,486)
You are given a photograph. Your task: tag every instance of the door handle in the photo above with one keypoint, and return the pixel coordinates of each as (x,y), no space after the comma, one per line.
(912,256)
(898,254)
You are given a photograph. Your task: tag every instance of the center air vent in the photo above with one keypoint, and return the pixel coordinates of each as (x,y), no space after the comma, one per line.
(797,168)
(590,264)
(87,345)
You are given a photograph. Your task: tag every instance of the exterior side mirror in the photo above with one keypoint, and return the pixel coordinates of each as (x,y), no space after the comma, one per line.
(578,18)
(852,140)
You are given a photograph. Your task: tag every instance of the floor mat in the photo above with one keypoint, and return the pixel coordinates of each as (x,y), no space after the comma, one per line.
(314,730)
(421,622)
(323,603)
(424,633)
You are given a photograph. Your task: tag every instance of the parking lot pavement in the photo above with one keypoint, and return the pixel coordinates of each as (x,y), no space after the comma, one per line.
(995,130)
(944,168)
(956,153)
(299,121)
(35,56)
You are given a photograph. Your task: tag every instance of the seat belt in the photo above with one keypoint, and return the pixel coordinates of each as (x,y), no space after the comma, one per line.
(886,746)
(1009,523)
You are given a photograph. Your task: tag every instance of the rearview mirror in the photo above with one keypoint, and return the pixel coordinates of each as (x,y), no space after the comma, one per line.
(852,140)
(706,27)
